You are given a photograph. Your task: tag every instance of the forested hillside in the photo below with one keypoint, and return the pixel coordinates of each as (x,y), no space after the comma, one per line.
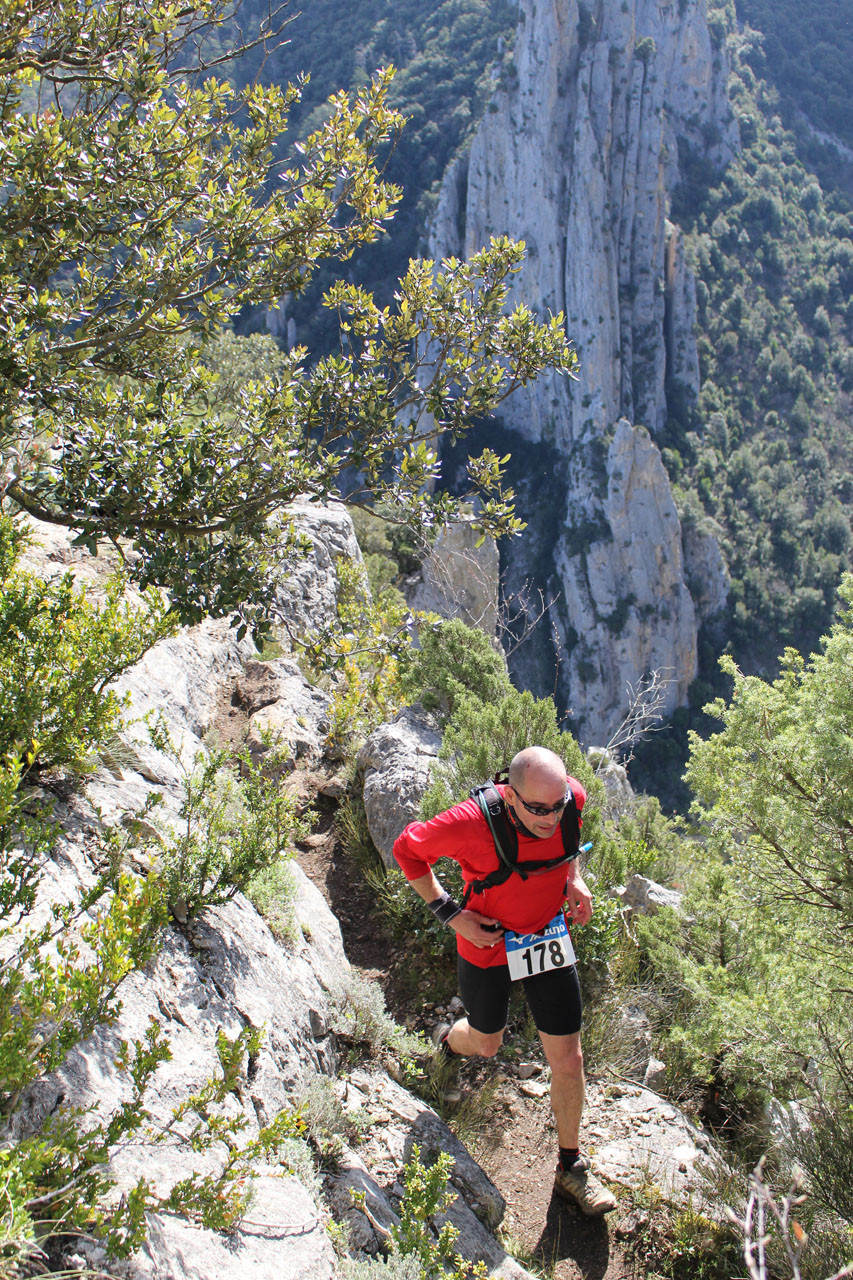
(805,52)
(767,451)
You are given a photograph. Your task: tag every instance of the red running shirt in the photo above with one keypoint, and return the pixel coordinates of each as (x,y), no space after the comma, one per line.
(462,833)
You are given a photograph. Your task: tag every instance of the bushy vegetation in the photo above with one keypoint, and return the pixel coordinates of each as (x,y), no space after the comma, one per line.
(747,984)
(482,737)
(235,822)
(452,662)
(363,1021)
(807,48)
(357,656)
(157,225)
(426,1195)
(765,454)
(60,649)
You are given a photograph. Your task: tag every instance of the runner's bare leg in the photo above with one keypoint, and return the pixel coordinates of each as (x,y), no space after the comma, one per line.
(568,1087)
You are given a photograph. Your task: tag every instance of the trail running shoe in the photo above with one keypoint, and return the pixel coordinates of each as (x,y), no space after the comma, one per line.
(439,1039)
(577,1183)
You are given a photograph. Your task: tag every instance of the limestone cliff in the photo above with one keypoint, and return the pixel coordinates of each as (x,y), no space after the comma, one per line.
(578,155)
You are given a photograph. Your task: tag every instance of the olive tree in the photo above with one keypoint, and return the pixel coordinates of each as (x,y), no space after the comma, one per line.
(145,203)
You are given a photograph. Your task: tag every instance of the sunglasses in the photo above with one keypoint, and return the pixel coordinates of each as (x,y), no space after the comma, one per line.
(544,810)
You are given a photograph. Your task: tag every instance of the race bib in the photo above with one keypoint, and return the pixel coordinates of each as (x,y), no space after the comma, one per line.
(530,953)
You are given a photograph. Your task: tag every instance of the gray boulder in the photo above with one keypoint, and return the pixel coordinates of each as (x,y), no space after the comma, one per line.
(618,792)
(634,1033)
(638,1139)
(282,1238)
(396,760)
(396,1122)
(787,1123)
(282,706)
(459,579)
(307,592)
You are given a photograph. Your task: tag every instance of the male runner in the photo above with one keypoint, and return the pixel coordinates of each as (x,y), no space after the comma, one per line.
(499,923)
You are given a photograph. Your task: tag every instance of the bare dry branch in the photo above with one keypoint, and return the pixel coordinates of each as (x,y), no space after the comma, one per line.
(768,1217)
(646,703)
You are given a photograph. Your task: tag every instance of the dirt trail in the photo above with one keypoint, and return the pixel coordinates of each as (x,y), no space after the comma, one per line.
(512,1135)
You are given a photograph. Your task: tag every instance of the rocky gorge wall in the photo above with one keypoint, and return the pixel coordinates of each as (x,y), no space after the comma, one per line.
(578,155)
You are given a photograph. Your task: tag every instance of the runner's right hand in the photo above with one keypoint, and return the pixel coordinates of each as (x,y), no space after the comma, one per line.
(483,931)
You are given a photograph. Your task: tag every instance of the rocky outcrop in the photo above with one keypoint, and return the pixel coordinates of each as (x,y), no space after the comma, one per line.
(705,569)
(223,971)
(625,597)
(644,897)
(396,760)
(619,795)
(638,1138)
(396,1122)
(578,156)
(307,593)
(459,579)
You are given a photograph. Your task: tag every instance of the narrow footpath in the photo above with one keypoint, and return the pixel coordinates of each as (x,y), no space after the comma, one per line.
(502,1113)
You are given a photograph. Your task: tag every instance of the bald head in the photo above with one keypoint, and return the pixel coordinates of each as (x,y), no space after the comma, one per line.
(536,766)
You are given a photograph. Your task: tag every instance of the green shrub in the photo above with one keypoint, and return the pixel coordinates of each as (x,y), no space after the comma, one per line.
(398,1267)
(236,821)
(454,661)
(359,1015)
(362,647)
(272,893)
(644,841)
(62,1172)
(59,980)
(59,652)
(481,738)
(425,1195)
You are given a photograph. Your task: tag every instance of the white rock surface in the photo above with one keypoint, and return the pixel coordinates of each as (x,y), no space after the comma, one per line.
(705,569)
(223,972)
(284,1239)
(284,707)
(787,1123)
(636,1138)
(307,593)
(459,579)
(396,1121)
(619,796)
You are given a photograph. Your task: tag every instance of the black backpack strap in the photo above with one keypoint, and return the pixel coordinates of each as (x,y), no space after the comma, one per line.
(570,828)
(503,834)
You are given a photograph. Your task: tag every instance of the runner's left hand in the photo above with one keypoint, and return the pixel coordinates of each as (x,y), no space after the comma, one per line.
(578,901)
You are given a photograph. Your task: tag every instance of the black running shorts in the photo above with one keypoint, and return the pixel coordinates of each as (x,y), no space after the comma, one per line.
(554,998)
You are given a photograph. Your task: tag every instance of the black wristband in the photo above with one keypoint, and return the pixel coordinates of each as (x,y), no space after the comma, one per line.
(444,908)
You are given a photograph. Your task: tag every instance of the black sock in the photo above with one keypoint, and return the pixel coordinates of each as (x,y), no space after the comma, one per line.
(568,1155)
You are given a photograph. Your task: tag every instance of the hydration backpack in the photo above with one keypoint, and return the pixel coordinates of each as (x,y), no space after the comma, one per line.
(505,836)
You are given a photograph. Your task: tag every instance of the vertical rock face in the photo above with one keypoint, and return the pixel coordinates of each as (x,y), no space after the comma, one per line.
(578,155)
(624,590)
